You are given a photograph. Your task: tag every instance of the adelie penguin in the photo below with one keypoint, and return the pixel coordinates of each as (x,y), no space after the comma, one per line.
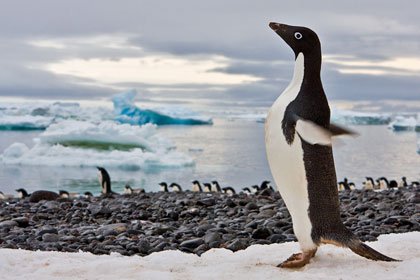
(129,190)
(298,145)
(105,181)
(175,187)
(215,187)
(196,186)
(163,187)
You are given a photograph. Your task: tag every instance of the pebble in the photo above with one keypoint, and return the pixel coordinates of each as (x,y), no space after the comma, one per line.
(192,222)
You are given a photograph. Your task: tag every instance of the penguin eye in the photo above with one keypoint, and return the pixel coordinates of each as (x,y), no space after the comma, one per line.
(298,35)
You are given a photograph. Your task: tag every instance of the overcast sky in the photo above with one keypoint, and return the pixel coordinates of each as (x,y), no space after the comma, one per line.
(208,52)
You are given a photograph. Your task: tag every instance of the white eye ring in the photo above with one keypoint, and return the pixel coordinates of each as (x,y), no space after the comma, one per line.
(298,35)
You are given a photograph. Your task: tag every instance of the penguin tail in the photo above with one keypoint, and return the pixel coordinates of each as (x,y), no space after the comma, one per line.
(348,240)
(365,251)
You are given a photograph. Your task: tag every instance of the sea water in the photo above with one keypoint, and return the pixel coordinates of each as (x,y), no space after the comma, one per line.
(229,149)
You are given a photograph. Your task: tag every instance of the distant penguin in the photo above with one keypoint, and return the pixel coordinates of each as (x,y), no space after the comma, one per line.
(265,185)
(298,145)
(88,195)
(196,186)
(393,184)
(228,190)
(383,183)
(163,187)
(345,185)
(403,182)
(246,190)
(369,184)
(352,186)
(104,181)
(5,196)
(66,194)
(175,187)
(215,187)
(22,193)
(129,190)
(37,196)
(255,188)
(415,183)
(207,187)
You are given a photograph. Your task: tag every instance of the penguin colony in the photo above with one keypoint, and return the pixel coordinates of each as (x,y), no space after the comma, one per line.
(265,188)
(298,145)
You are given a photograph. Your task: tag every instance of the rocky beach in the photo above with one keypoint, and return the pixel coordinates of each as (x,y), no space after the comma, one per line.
(141,224)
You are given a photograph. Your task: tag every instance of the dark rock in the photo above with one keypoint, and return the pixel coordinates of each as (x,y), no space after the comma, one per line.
(192,244)
(8,224)
(251,206)
(50,237)
(230,203)
(212,237)
(236,245)
(45,230)
(261,233)
(207,202)
(22,221)
(276,238)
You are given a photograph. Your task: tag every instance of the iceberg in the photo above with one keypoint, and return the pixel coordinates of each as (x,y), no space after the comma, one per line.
(25,122)
(29,116)
(127,112)
(403,124)
(82,143)
(347,117)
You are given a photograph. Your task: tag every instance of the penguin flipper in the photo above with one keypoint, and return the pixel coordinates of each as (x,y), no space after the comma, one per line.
(337,130)
(313,133)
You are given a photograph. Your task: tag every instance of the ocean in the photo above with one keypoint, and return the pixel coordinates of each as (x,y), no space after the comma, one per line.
(59,146)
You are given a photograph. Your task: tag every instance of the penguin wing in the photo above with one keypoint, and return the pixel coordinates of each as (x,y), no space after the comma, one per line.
(313,133)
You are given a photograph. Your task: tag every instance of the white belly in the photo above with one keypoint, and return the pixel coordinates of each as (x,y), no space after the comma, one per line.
(286,162)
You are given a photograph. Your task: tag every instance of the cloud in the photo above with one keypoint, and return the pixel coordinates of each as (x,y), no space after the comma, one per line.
(212,52)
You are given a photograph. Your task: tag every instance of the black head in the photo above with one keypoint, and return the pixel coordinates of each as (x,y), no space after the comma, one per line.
(63,193)
(196,182)
(215,182)
(300,39)
(265,184)
(22,193)
(163,184)
(88,194)
(207,185)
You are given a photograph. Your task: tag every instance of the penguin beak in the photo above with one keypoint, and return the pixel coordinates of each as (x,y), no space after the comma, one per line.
(276,26)
(281,29)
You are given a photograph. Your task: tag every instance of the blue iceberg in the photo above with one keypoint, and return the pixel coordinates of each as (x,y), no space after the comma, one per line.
(127,112)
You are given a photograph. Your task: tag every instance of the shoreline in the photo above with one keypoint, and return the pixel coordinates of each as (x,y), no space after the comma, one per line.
(142,224)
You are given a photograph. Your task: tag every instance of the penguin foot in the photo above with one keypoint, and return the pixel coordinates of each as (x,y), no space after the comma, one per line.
(298,260)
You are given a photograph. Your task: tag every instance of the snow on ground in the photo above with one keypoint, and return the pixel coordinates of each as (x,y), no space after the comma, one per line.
(256,262)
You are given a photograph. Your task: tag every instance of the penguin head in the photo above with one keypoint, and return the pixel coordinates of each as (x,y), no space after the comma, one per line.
(22,193)
(64,194)
(88,194)
(300,39)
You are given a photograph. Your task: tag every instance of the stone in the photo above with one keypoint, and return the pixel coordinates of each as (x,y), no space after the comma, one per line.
(236,245)
(50,237)
(192,244)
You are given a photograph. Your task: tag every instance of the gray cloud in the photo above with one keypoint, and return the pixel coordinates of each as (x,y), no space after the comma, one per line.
(237,30)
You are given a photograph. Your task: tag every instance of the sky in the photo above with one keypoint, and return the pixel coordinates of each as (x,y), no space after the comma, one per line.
(218,53)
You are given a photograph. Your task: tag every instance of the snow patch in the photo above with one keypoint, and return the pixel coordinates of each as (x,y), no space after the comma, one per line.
(256,262)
